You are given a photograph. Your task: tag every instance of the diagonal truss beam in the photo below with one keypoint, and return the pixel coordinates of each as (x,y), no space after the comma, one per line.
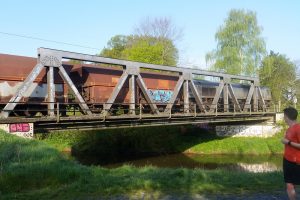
(217,96)
(249,97)
(197,97)
(233,97)
(23,88)
(116,91)
(82,104)
(261,98)
(175,94)
(144,89)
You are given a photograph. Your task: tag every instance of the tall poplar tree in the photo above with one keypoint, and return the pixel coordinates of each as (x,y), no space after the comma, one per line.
(240,47)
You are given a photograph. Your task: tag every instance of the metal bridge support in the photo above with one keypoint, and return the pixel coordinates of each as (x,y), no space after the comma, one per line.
(51,91)
(185,80)
(133,73)
(198,98)
(225,95)
(214,105)
(255,100)
(234,99)
(175,94)
(144,89)
(247,105)
(186,102)
(226,87)
(115,92)
(23,88)
(50,61)
(132,95)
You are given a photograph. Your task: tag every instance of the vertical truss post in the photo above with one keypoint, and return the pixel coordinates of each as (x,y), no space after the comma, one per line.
(132,95)
(225,94)
(51,90)
(186,103)
(255,100)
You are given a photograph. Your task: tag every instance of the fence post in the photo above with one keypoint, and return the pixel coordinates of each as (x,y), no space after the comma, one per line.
(195,110)
(217,110)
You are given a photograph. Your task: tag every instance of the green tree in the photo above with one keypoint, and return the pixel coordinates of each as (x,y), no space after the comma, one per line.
(115,47)
(151,50)
(153,42)
(279,74)
(240,48)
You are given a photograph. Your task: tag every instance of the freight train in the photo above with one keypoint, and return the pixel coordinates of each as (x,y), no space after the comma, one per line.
(96,82)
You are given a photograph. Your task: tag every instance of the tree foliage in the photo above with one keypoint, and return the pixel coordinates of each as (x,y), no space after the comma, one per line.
(153,42)
(279,74)
(115,47)
(240,48)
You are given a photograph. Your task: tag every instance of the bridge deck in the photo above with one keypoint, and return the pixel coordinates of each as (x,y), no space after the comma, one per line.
(46,124)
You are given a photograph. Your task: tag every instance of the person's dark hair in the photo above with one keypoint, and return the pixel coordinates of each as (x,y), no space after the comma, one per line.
(291,113)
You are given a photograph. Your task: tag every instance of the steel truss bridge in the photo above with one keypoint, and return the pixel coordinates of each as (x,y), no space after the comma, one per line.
(139,114)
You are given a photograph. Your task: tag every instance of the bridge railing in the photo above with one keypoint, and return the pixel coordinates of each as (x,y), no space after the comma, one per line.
(123,110)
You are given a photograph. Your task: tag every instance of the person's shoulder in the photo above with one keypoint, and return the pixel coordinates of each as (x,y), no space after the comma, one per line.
(296,127)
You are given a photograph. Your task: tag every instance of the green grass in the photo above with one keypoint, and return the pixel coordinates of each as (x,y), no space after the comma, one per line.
(32,169)
(239,145)
(159,140)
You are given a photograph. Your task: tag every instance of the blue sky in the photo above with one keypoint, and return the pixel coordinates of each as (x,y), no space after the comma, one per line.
(93,23)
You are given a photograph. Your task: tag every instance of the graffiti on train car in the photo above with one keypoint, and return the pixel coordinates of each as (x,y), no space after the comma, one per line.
(162,96)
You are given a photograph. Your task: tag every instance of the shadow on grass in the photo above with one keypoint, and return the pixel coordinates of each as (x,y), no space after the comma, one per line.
(111,146)
(33,170)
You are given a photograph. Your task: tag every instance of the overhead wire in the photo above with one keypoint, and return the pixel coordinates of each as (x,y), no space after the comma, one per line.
(47,40)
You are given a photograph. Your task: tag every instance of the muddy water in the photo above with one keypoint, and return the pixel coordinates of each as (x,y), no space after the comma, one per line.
(251,163)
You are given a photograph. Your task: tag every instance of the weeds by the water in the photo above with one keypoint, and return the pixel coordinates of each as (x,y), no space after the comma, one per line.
(31,169)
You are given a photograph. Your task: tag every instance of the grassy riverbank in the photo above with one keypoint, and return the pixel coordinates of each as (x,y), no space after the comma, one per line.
(32,169)
(139,142)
